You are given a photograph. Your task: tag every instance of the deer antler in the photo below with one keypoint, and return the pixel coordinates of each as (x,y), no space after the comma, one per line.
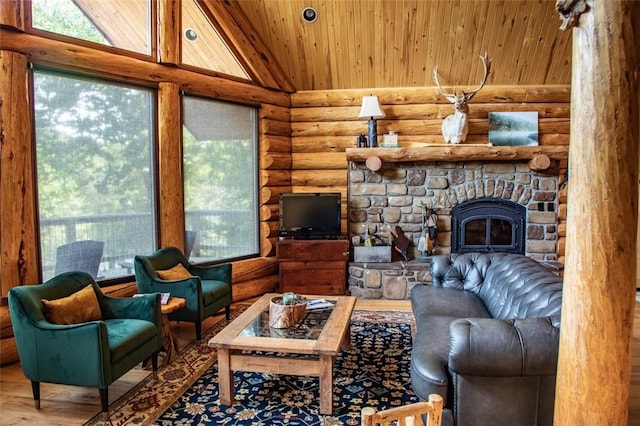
(450,96)
(486,63)
(435,79)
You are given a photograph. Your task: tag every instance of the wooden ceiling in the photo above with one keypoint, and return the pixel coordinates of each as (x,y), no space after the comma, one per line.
(397,43)
(356,44)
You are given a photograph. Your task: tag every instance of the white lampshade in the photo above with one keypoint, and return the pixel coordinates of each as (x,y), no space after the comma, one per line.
(370,108)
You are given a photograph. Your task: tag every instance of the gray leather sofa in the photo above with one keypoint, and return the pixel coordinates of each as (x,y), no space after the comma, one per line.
(487,339)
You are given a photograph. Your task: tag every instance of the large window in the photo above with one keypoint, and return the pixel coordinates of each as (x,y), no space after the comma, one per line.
(94,148)
(125,24)
(220,147)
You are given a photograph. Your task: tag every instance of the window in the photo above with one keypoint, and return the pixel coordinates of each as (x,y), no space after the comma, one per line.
(220,146)
(202,45)
(94,154)
(124,24)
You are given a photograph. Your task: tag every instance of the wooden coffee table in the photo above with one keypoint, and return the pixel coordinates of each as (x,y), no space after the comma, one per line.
(323,338)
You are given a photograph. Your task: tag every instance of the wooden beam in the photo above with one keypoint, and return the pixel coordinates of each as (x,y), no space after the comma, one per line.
(171,189)
(12,13)
(594,365)
(422,95)
(169,37)
(19,250)
(462,152)
(130,67)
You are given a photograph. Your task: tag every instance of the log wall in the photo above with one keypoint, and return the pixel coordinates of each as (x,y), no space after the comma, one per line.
(324,124)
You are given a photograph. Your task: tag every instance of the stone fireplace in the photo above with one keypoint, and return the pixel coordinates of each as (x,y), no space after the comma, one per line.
(501,206)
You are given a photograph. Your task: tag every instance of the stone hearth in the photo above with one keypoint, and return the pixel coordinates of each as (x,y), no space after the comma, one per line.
(392,196)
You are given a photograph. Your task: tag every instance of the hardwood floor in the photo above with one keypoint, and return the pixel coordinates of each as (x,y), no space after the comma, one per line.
(73,405)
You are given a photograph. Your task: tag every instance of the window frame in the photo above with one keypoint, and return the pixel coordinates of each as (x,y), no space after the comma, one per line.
(256,173)
(153,157)
(153,35)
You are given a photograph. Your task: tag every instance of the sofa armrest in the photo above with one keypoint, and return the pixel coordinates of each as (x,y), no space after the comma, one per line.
(503,347)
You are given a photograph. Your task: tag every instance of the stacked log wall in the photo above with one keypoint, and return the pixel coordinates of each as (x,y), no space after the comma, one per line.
(275,170)
(325,123)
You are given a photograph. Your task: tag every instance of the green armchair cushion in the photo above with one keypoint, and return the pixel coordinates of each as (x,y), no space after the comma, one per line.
(125,335)
(81,306)
(213,291)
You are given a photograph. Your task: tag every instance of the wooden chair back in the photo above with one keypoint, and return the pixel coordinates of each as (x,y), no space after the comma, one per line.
(407,415)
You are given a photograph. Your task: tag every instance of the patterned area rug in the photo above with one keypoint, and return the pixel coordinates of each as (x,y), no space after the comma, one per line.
(375,372)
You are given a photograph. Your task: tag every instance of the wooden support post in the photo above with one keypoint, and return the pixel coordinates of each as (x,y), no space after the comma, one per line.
(171,202)
(18,245)
(594,366)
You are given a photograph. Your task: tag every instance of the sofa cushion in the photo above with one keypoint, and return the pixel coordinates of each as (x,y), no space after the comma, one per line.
(430,300)
(79,307)
(213,291)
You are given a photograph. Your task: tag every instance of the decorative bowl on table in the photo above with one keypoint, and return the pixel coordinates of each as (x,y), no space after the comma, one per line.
(287,310)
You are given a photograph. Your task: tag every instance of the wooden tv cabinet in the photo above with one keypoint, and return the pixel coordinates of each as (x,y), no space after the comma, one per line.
(313,266)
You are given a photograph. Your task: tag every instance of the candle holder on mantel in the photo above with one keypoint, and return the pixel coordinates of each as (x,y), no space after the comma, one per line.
(371,110)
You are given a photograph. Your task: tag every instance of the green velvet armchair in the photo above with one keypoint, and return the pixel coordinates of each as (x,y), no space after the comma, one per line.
(207,289)
(94,353)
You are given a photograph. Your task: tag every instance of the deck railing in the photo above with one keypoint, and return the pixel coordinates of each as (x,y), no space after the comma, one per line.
(221,234)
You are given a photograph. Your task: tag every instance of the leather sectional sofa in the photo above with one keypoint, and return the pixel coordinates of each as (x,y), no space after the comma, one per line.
(487,339)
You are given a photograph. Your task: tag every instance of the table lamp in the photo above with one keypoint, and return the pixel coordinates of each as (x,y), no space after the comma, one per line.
(371,110)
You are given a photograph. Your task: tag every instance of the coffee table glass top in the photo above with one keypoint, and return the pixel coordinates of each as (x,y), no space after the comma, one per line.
(309,328)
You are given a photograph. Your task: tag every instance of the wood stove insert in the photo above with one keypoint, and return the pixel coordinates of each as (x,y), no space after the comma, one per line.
(488,225)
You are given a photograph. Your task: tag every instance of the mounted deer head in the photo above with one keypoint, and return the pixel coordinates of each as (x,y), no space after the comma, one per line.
(456,126)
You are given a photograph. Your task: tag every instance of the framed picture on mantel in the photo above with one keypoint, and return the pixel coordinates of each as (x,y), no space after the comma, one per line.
(513,128)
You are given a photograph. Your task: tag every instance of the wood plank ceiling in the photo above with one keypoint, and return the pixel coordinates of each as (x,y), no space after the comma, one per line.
(377,43)
(397,43)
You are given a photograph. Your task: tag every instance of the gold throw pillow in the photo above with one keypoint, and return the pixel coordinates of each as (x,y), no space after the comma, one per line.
(178,272)
(79,307)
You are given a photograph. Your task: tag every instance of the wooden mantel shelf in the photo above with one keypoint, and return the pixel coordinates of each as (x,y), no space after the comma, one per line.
(444,152)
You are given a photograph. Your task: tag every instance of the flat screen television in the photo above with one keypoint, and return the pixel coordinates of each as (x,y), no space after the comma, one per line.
(309,215)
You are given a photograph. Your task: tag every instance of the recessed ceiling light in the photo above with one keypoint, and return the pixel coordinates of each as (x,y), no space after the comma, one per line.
(309,14)
(191,34)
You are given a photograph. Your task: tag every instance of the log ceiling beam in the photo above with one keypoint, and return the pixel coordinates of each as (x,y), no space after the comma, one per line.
(69,56)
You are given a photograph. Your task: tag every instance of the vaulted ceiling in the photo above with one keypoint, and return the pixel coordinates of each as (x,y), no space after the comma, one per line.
(397,43)
(363,43)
